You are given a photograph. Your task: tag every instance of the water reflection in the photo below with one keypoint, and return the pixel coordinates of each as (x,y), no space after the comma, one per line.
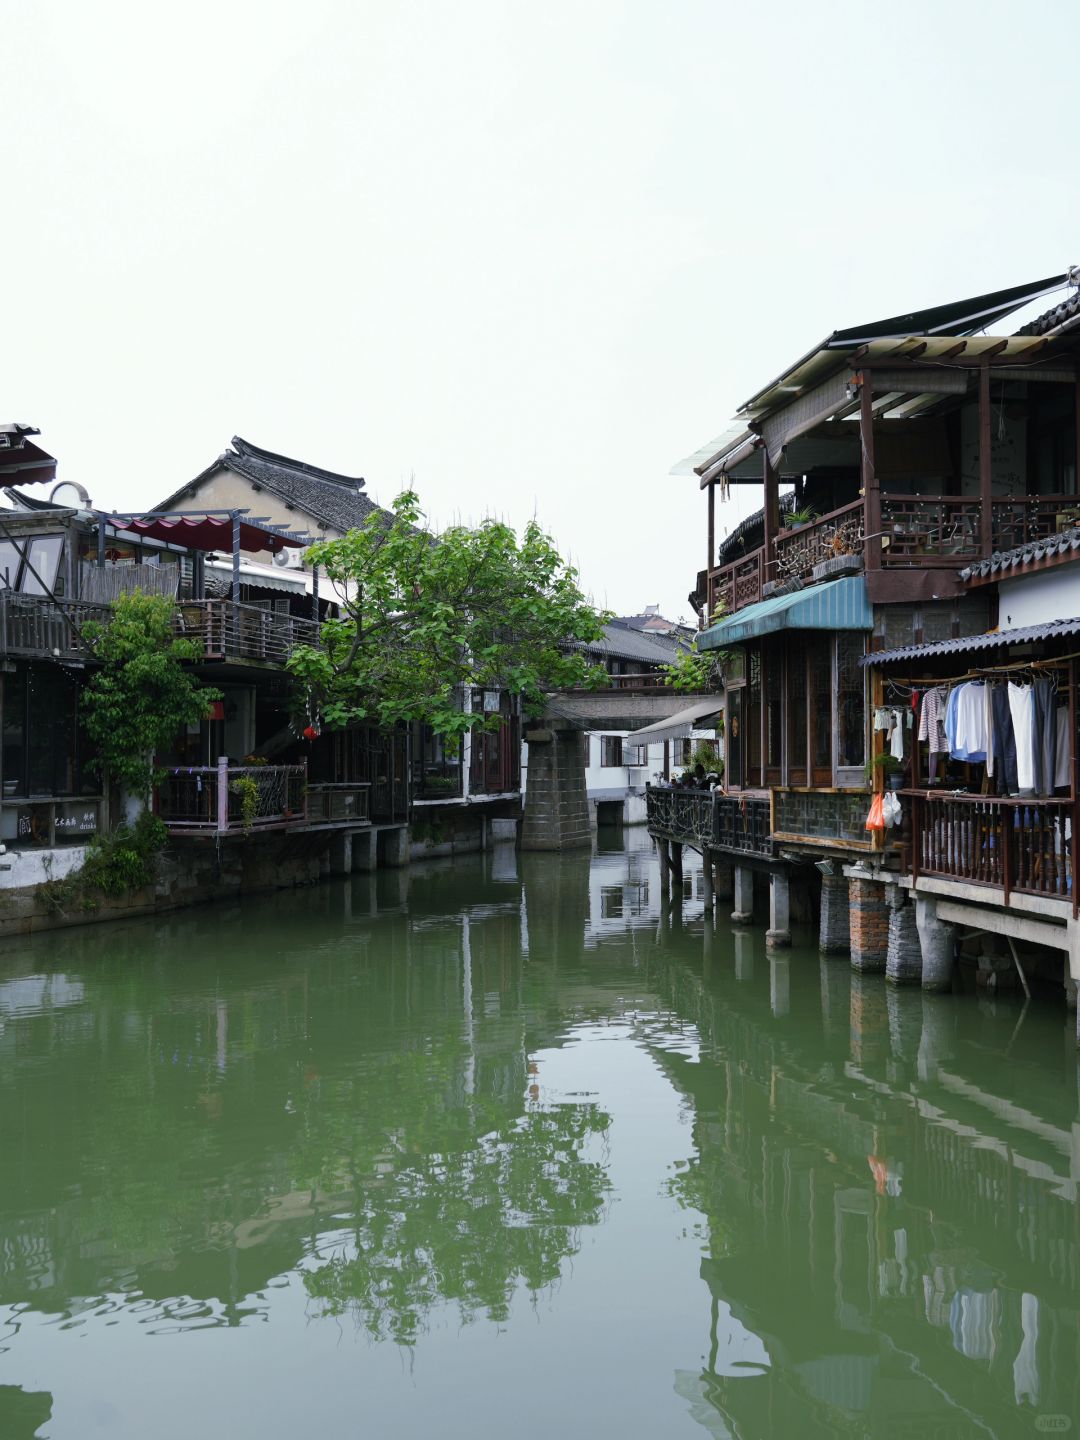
(752,1193)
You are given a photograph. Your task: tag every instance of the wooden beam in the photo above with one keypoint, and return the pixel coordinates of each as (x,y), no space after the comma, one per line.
(712,529)
(871,490)
(772,512)
(986,489)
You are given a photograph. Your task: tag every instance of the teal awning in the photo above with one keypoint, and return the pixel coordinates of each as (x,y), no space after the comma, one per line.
(836,605)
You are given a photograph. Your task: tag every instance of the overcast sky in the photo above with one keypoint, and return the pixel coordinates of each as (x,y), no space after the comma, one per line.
(531,253)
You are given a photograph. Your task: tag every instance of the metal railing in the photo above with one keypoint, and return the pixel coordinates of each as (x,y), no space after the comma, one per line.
(233,799)
(228,631)
(1011,845)
(736,823)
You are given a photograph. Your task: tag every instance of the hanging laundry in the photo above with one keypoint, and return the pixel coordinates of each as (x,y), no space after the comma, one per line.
(1045,737)
(969,741)
(1022,709)
(932,720)
(1062,762)
(1003,743)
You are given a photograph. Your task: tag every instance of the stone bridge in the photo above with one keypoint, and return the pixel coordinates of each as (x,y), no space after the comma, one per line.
(556,805)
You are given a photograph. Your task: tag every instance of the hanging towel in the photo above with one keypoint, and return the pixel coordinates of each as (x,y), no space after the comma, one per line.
(1022,709)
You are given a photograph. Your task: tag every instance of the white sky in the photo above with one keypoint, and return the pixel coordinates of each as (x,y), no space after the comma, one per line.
(532,253)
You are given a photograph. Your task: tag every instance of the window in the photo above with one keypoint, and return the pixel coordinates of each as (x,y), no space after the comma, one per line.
(850,700)
(611,748)
(681,750)
(635,755)
(40,554)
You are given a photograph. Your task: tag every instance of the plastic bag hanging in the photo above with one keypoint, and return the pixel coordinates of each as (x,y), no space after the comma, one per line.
(876,819)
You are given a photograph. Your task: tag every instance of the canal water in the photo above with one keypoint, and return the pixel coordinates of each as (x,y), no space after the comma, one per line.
(506,1148)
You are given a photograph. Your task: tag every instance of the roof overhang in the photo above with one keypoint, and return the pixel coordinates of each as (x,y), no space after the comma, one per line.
(680,725)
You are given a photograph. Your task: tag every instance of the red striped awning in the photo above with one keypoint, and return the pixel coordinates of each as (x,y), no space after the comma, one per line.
(208,532)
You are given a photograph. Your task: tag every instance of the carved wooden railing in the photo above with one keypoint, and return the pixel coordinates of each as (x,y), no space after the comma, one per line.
(738,584)
(828,536)
(929,529)
(1011,845)
(742,825)
(1028,518)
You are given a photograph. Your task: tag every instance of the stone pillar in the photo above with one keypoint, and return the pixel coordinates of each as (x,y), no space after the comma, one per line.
(903,965)
(706,882)
(365,850)
(779,985)
(394,847)
(936,939)
(341,853)
(556,806)
(835,933)
(676,863)
(724,879)
(869,924)
(743,914)
(779,931)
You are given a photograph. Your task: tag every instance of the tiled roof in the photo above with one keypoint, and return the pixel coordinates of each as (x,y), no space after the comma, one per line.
(621,643)
(1051,319)
(966,644)
(336,501)
(730,548)
(1003,561)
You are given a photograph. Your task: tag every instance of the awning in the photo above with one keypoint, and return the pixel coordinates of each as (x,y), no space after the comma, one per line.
(679,725)
(837,605)
(211,530)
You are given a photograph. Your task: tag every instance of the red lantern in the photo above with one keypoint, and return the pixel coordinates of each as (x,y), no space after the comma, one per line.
(310,732)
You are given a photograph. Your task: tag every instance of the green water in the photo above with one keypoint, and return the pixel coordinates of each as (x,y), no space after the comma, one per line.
(502,1150)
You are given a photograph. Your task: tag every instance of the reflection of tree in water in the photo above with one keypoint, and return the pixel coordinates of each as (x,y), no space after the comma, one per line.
(468,1226)
(23,1412)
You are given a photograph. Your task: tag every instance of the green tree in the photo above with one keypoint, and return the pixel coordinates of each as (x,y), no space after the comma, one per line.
(425,616)
(141,696)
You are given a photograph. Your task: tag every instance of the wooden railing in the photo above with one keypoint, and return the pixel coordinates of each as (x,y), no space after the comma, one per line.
(35,625)
(340,804)
(736,823)
(738,584)
(1011,845)
(1028,518)
(228,631)
(929,529)
(824,538)
(219,799)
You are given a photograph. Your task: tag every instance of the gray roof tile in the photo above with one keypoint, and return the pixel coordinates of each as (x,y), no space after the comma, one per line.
(966,644)
(1003,561)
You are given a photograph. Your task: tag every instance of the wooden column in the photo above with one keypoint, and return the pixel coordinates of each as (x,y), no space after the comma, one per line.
(712,541)
(871,490)
(986,503)
(771,485)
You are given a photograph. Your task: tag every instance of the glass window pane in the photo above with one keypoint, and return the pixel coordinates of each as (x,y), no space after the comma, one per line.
(9,565)
(850,701)
(821,681)
(44,556)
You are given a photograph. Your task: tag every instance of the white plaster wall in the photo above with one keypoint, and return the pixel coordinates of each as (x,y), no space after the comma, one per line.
(231,491)
(19,868)
(1034,599)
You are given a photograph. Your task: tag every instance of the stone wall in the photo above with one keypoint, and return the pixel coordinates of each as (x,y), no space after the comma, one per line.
(191,872)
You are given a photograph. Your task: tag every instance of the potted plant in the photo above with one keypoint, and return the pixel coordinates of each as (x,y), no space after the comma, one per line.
(798,518)
(891,770)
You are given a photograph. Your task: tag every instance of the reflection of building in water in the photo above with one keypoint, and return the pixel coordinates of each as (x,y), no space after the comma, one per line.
(909,1257)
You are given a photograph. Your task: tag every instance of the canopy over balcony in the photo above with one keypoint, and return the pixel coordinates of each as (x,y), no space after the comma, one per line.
(209,530)
(836,605)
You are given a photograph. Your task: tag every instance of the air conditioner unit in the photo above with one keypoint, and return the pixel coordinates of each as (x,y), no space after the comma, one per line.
(289,559)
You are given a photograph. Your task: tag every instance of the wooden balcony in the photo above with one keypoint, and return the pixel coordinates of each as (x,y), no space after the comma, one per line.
(229,631)
(932,531)
(35,626)
(738,824)
(213,800)
(1011,846)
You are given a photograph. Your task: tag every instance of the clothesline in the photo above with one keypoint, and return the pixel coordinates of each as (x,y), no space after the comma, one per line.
(984,672)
